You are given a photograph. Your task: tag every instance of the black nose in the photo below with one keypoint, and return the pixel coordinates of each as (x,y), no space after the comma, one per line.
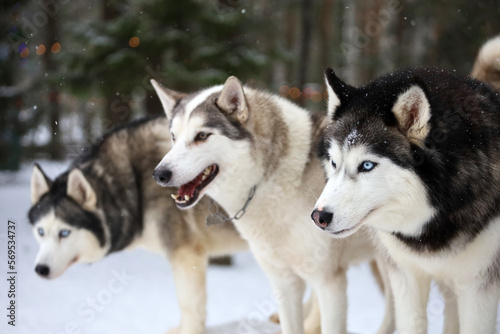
(42,270)
(322,218)
(162,176)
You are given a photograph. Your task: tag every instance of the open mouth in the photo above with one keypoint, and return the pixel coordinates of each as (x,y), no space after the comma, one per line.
(188,193)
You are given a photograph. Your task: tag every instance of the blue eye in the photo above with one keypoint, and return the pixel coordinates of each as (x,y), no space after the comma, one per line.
(41,232)
(366,166)
(334,165)
(64,233)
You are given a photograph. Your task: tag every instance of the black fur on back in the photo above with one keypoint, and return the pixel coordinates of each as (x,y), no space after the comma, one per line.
(116,168)
(460,160)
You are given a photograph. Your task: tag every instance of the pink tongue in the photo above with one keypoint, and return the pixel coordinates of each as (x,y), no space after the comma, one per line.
(188,188)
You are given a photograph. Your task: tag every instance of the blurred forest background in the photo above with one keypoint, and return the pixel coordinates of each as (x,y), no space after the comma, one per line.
(71,70)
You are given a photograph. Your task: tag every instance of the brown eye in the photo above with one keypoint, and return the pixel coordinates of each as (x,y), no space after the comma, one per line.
(202,136)
(173,137)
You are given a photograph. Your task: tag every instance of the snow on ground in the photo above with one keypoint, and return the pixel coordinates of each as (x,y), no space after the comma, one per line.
(88,299)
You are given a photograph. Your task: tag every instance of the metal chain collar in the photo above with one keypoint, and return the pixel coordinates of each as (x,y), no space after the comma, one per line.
(217,217)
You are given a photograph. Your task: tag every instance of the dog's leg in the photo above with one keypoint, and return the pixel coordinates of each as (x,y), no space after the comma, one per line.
(189,266)
(411,293)
(451,325)
(477,307)
(380,271)
(332,298)
(288,289)
(312,321)
(308,304)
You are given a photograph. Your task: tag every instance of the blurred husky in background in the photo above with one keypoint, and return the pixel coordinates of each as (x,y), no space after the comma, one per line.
(487,65)
(107,201)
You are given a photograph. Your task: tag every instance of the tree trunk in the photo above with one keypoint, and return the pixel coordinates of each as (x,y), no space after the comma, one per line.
(291,24)
(371,27)
(56,149)
(326,33)
(306,9)
(401,26)
(118,109)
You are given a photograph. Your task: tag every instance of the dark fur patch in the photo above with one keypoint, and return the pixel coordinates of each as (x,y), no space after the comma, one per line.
(218,119)
(460,160)
(66,209)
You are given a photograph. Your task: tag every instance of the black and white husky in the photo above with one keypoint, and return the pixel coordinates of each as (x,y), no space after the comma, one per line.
(107,201)
(254,153)
(416,156)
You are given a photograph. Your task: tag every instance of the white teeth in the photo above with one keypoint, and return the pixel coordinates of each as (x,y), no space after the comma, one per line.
(174,196)
(207,171)
(204,177)
(187,197)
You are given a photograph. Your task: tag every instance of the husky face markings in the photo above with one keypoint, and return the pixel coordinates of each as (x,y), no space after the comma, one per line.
(365,158)
(64,241)
(205,122)
(190,140)
(355,173)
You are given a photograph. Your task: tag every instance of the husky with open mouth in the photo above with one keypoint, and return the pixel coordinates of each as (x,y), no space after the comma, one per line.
(254,153)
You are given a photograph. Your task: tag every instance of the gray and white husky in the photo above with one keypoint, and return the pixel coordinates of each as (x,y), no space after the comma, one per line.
(254,153)
(416,155)
(107,201)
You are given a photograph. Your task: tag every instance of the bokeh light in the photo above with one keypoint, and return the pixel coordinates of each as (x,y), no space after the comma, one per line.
(21,47)
(25,52)
(284,90)
(56,48)
(40,50)
(316,96)
(134,42)
(307,93)
(294,93)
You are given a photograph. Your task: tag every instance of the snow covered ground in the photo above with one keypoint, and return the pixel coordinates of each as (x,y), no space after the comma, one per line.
(82,301)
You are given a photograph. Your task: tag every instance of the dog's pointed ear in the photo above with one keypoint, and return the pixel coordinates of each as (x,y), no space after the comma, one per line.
(40,183)
(232,99)
(413,112)
(338,92)
(167,97)
(80,190)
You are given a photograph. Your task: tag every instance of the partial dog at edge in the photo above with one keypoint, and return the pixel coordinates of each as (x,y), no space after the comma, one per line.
(107,201)
(254,153)
(487,65)
(416,155)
